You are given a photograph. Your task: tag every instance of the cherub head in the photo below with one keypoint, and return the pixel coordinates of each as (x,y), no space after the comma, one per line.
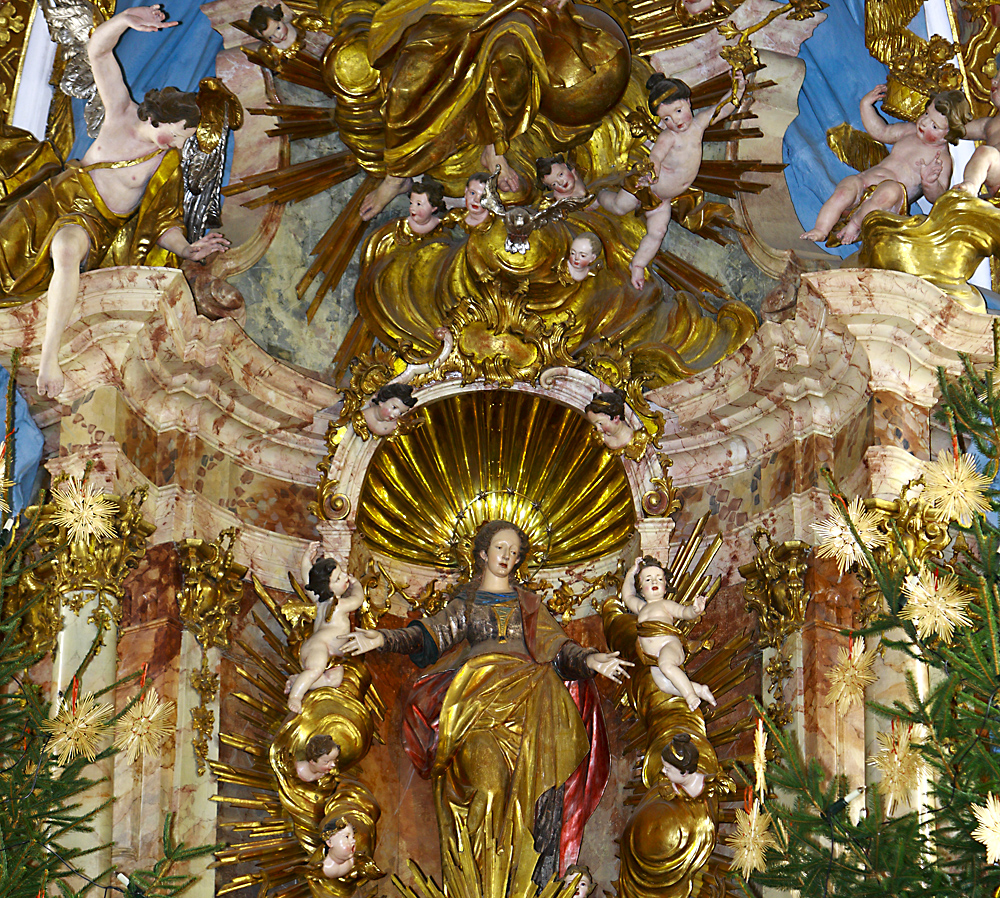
(944,118)
(584,253)
(268,23)
(586,884)
(652,579)
(556,174)
(426,201)
(173,113)
(392,402)
(606,411)
(670,101)
(680,757)
(474,189)
(321,754)
(338,834)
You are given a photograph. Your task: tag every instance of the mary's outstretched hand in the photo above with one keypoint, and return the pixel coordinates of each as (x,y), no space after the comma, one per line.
(609,665)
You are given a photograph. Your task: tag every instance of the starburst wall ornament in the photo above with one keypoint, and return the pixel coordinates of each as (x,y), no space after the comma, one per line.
(988,831)
(142,729)
(837,541)
(851,675)
(900,764)
(954,487)
(751,839)
(936,603)
(83,511)
(78,729)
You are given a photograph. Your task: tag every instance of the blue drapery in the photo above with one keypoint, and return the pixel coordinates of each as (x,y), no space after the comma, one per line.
(27,446)
(839,72)
(180,56)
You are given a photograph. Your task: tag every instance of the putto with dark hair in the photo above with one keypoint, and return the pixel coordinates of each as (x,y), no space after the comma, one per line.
(433,190)
(167,105)
(334,826)
(611,404)
(649,561)
(481,545)
(262,16)
(318,746)
(665,90)
(402,392)
(319,581)
(681,753)
(544,166)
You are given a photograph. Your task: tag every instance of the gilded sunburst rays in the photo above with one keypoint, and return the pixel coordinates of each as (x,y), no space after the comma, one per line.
(496,454)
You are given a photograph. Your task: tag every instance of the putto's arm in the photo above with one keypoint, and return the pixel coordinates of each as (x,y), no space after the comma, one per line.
(100,49)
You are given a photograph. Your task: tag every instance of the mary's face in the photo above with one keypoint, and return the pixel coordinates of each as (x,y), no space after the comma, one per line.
(503,554)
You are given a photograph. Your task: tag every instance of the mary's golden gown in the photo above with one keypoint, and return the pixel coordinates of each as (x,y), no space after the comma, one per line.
(510,755)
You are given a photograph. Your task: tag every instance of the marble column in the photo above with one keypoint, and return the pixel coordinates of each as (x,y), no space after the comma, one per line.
(74,642)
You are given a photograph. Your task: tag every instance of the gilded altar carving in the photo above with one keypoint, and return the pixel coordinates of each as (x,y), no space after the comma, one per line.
(775,586)
(208,600)
(775,589)
(668,841)
(945,247)
(79,570)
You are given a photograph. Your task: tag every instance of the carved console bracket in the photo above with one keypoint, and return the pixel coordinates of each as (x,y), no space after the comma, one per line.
(208,600)
(775,589)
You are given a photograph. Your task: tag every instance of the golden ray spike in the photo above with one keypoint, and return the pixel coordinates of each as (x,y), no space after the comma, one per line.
(239,776)
(293,183)
(243,744)
(336,248)
(266,708)
(681,275)
(690,589)
(239,802)
(271,605)
(687,551)
(280,648)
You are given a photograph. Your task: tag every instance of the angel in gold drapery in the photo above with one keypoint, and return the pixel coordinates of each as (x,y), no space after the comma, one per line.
(405,292)
(509,727)
(124,204)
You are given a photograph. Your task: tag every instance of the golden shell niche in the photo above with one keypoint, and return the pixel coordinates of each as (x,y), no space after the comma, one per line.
(496,454)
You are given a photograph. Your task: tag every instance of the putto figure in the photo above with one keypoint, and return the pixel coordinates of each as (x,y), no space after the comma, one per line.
(494,725)
(128,181)
(675,160)
(318,760)
(337,595)
(584,885)
(658,646)
(919,164)
(426,205)
(983,169)
(388,405)
(584,257)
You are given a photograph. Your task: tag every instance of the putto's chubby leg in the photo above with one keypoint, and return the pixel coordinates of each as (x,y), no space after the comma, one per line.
(888,196)
(657,222)
(68,251)
(381,196)
(845,195)
(617,202)
(983,168)
(508,181)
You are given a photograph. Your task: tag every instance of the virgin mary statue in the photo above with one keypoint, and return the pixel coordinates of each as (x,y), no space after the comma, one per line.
(507,723)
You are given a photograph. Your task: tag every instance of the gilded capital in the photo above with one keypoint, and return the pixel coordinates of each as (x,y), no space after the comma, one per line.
(775,586)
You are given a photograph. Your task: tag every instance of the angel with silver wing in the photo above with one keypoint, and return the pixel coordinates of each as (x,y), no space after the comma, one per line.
(123,203)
